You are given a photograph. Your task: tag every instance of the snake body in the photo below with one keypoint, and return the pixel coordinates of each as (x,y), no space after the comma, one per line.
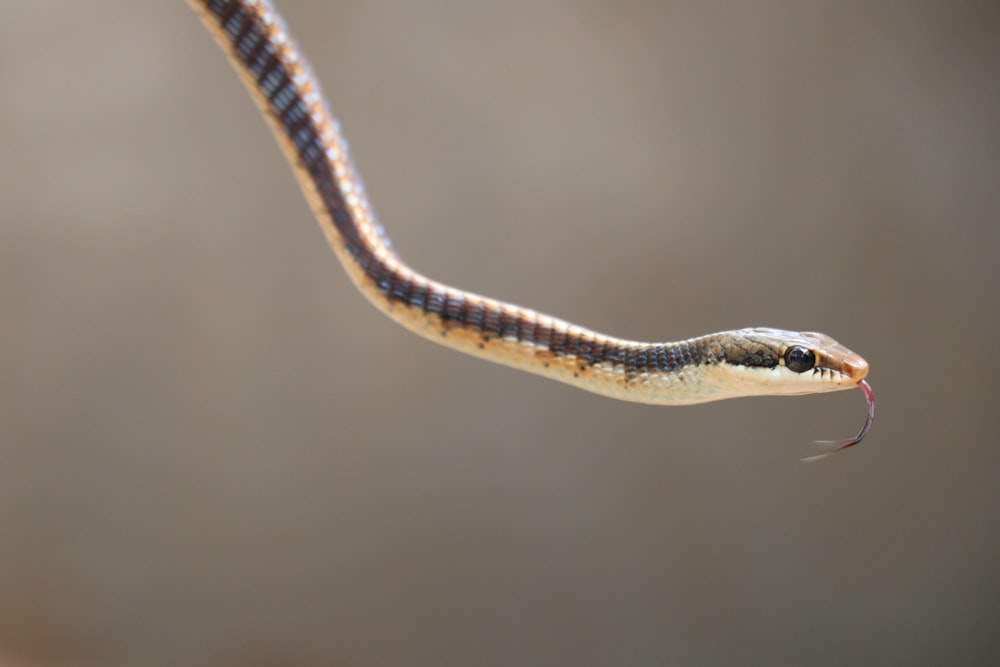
(744,362)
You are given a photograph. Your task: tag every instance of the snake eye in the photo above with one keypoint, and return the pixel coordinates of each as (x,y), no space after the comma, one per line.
(799,359)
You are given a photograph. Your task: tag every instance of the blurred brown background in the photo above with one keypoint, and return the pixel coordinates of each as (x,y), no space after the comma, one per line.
(213,451)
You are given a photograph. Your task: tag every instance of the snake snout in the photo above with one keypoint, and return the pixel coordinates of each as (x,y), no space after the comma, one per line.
(855,367)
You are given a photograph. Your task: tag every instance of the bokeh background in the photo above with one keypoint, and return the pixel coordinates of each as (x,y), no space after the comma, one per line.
(213,451)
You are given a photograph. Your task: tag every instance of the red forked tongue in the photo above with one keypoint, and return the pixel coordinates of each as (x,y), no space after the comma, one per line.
(833,446)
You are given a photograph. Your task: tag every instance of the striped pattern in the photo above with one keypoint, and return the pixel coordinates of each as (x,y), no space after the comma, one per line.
(252,43)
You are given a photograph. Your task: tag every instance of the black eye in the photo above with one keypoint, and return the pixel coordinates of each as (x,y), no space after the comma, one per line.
(799,359)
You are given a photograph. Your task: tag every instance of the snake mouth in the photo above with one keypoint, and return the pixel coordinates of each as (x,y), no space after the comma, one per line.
(847,371)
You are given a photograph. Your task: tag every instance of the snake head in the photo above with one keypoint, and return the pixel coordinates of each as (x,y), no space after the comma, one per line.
(772,361)
(791,362)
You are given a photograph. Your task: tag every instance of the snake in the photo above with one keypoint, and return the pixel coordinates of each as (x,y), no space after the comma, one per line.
(754,361)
